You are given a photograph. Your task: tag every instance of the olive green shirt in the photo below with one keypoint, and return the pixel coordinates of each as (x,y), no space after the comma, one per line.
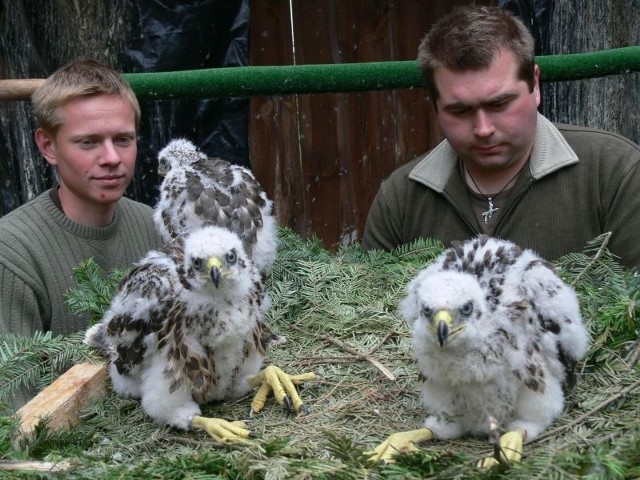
(39,247)
(580,183)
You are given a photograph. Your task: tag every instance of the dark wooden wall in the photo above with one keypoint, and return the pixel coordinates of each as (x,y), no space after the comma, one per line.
(613,102)
(322,157)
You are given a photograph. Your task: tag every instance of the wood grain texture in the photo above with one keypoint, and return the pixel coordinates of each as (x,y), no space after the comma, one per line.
(611,103)
(62,402)
(322,157)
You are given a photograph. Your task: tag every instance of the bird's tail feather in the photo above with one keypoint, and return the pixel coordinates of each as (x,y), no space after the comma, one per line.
(96,337)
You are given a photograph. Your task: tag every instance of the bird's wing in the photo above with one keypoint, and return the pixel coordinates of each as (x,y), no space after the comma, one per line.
(237,192)
(168,212)
(137,310)
(552,323)
(207,203)
(187,359)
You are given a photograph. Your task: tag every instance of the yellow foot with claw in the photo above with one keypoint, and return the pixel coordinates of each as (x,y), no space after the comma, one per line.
(221,430)
(400,442)
(282,384)
(508,450)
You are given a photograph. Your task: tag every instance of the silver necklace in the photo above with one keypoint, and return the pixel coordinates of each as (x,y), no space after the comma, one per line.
(492,209)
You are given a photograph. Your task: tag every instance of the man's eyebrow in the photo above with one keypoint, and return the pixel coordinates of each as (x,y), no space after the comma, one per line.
(488,102)
(500,98)
(93,135)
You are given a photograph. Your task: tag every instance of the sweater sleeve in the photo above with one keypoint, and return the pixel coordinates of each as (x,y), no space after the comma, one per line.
(622,218)
(19,311)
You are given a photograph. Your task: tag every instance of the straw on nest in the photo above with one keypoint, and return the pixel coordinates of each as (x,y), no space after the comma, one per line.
(337,312)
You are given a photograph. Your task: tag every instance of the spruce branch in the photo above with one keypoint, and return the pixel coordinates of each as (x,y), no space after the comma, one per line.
(94,291)
(353,351)
(590,413)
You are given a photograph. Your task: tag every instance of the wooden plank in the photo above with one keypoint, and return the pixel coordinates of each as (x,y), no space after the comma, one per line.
(322,157)
(62,401)
(19,89)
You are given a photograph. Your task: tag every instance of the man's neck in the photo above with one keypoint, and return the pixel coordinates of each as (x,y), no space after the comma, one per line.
(85,213)
(492,182)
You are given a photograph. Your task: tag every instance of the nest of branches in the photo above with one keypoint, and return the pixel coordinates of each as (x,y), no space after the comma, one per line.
(338,315)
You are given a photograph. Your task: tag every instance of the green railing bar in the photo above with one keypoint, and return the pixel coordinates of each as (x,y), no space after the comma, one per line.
(577,66)
(352,77)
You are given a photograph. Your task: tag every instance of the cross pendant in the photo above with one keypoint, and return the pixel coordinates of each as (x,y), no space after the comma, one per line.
(489,213)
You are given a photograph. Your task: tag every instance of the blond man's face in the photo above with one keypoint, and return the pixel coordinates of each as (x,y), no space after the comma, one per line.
(94,150)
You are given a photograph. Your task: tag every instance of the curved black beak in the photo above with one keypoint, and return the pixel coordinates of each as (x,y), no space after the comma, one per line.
(443,333)
(215,275)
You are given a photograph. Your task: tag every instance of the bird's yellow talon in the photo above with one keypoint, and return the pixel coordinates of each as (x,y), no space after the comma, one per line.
(303,377)
(399,442)
(283,386)
(487,462)
(260,398)
(509,450)
(221,430)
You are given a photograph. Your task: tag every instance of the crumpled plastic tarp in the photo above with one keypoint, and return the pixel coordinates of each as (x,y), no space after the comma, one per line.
(535,14)
(171,36)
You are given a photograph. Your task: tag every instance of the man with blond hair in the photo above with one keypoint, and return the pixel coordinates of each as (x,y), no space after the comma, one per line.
(88,118)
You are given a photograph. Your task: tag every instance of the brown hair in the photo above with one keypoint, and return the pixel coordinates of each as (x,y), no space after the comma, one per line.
(79,78)
(469,38)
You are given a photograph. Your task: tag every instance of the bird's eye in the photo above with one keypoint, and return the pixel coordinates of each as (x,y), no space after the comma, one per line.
(467,309)
(427,312)
(231,257)
(197,264)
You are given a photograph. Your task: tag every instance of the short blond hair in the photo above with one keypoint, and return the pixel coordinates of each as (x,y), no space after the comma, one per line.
(80,78)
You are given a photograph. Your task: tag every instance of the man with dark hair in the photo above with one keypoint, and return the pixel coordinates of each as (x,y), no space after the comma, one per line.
(503,169)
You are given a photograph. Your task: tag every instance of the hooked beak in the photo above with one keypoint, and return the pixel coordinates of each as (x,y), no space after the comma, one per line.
(443,321)
(214,265)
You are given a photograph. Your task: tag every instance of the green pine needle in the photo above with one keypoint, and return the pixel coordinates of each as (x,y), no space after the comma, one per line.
(338,314)
(94,291)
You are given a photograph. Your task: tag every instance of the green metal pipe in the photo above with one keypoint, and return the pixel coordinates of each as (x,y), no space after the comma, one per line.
(352,77)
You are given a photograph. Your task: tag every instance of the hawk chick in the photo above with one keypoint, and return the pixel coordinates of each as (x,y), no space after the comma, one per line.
(197,191)
(496,335)
(185,328)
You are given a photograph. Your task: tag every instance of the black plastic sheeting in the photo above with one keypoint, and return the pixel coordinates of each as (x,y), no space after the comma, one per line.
(171,36)
(157,35)
(535,14)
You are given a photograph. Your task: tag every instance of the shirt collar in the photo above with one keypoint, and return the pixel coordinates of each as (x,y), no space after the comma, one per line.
(550,152)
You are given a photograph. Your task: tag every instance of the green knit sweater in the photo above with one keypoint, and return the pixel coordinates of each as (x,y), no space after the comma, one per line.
(39,247)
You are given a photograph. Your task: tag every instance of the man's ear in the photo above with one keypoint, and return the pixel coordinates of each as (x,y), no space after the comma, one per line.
(536,83)
(47,144)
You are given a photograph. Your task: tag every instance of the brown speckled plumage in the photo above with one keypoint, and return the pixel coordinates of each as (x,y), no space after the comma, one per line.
(197,191)
(177,339)
(496,332)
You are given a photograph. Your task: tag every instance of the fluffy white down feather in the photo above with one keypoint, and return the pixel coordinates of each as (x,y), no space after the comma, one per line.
(516,330)
(170,301)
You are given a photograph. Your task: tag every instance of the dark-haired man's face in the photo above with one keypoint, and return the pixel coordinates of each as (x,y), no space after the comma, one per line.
(488,116)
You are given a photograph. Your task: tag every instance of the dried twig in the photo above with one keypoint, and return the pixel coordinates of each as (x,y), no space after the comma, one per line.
(365,356)
(622,393)
(596,257)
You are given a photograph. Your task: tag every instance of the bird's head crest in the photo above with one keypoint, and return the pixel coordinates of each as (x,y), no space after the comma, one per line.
(178,152)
